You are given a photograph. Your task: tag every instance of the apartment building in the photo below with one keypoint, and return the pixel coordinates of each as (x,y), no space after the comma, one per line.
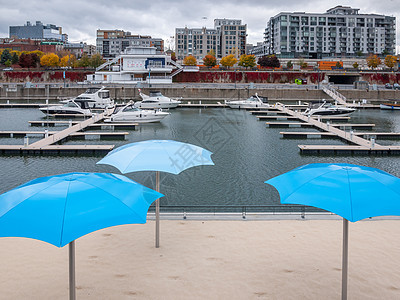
(111,43)
(227,37)
(339,32)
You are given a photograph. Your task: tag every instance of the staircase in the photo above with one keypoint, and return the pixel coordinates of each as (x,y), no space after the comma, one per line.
(178,70)
(107,63)
(335,95)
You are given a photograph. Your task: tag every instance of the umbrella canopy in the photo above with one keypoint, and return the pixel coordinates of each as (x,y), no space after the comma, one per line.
(350,191)
(157,155)
(59,209)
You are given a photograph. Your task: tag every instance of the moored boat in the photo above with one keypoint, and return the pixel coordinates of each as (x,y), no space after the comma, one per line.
(254,101)
(156,100)
(96,97)
(131,114)
(325,108)
(71,107)
(390,105)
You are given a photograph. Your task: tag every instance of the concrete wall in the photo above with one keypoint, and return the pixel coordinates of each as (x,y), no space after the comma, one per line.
(39,95)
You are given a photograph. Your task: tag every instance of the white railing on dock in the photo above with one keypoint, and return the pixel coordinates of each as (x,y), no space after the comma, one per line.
(335,95)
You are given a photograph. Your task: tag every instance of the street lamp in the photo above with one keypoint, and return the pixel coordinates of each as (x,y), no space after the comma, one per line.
(149,76)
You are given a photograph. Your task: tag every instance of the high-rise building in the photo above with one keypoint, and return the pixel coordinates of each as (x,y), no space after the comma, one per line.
(39,31)
(111,43)
(339,32)
(227,37)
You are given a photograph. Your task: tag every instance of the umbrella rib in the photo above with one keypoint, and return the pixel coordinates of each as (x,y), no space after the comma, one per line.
(63,220)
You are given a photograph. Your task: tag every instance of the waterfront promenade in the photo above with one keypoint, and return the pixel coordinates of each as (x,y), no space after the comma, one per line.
(282,259)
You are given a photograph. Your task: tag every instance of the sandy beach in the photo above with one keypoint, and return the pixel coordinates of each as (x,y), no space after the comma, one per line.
(286,259)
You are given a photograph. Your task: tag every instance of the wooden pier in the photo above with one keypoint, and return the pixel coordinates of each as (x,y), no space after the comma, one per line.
(358,144)
(314,123)
(48,144)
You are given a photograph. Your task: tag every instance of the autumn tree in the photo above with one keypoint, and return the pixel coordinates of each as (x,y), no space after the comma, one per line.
(270,61)
(247,61)
(29,60)
(190,61)
(355,65)
(373,61)
(209,60)
(72,62)
(50,60)
(173,56)
(38,53)
(64,61)
(228,61)
(390,61)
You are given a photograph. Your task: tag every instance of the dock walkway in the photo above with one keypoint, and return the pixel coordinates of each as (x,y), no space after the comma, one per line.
(358,144)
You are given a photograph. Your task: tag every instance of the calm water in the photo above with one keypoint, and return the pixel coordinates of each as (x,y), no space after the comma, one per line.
(246,153)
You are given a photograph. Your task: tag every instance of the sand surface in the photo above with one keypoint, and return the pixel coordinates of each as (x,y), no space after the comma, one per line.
(210,260)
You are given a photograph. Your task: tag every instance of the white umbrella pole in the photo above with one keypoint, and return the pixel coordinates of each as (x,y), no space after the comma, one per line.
(72,292)
(345,257)
(158,210)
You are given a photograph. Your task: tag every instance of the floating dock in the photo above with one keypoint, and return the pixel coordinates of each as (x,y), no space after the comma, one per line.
(358,144)
(48,144)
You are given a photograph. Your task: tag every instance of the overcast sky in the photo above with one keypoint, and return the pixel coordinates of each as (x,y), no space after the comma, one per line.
(81,18)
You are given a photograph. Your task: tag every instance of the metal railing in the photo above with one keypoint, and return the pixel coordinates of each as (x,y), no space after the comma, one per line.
(243,210)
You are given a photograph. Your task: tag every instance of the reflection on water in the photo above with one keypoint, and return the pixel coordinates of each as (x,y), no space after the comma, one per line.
(246,153)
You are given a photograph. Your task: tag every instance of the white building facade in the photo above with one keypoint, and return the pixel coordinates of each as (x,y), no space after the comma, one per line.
(135,65)
(340,32)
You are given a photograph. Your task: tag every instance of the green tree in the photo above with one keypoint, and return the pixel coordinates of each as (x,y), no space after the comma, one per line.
(303,64)
(5,55)
(247,61)
(209,60)
(190,61)
(373,61)
(390,61)
(84,61)
(355,65)
(8,63)
(289,64)
(14,58)
(228,61)
(96,60)
(339,65)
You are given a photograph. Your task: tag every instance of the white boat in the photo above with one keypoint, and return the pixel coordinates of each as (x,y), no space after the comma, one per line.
(252,102)
(390,105)
(71,107)
(130,113)
(95,96)
(325,108)
(156,100)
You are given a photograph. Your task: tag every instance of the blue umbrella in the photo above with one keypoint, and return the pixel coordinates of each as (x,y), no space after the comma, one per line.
(350,191)
(61,208)
(157,155)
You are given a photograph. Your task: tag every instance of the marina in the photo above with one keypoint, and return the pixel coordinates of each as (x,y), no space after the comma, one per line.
(245,151)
